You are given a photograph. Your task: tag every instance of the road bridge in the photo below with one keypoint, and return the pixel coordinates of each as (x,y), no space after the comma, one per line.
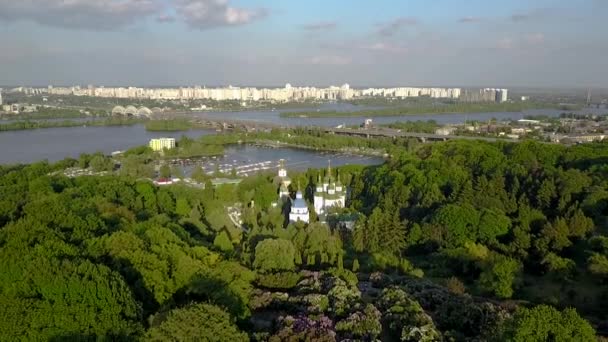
(393,133)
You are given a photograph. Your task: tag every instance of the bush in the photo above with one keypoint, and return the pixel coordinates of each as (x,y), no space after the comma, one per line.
(380,280)
(456,286)
(545,323)
(317,303)
(344,274)
(342,296)
(363,325)
(282,280)
(223,243)
(405,318)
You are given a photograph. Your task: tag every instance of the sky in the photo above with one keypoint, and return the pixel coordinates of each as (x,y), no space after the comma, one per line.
(508,43)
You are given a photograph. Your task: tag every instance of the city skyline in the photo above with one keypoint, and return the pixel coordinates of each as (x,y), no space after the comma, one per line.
(269,43)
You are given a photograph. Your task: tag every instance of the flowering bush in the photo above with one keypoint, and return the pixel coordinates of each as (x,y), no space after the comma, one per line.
(303,328)
(405,317)
(363,325)
(342,297)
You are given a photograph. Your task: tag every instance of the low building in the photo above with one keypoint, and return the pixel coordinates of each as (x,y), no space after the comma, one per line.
(585,138)
(448,130)
(299,209)
(162,143)
(520,130)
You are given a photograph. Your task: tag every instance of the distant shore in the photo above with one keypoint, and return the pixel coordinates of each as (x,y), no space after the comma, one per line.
(464,108)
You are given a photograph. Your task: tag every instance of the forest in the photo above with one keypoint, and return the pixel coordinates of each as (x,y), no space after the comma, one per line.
(450,241)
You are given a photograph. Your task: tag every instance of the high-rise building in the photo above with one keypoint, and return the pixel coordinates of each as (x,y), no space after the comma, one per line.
(1,97)
(504,95)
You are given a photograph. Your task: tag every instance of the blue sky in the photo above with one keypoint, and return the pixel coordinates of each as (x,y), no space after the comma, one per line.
(252,42)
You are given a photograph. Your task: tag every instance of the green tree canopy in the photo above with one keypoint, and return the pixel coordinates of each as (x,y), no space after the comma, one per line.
(545,323)
(197,322)
(274,255)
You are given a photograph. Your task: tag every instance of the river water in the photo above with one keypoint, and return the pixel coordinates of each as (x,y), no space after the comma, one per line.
(248,160)
(274,116)
(55,144)
(58,143)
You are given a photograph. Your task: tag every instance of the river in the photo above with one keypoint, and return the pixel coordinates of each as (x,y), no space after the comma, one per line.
(55,144)
(274,116)
(248,159)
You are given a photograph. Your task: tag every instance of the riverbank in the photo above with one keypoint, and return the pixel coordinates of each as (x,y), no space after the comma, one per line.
(345,150)
(215,145)
(464,108)
(28,125)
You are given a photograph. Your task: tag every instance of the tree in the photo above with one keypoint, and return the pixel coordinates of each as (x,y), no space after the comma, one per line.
(545,323)
(165,202)
(100,163)
(199,175)
(165,171)
(458,222)
(359,232)
(274,255)
(356,265)
(222,241)
(598,264)
(52,298)
(83,160)
(392,231)
(498,275)
(182,208)
(198,322)
(492,224)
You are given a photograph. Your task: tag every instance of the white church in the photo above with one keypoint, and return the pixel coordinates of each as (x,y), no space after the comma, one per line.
(329,193)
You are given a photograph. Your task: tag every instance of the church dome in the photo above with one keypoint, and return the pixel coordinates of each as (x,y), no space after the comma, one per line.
(299,202)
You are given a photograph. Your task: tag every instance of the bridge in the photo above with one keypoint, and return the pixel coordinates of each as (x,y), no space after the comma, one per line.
(251,125)
(230,124)
(393,133)
(134,111)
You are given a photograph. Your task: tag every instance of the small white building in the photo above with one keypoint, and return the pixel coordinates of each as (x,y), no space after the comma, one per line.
(299,209)
(447,130)
(162,143)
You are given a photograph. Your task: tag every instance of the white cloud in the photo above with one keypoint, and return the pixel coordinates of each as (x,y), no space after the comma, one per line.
(115,14)
(85,14)
(204,14)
